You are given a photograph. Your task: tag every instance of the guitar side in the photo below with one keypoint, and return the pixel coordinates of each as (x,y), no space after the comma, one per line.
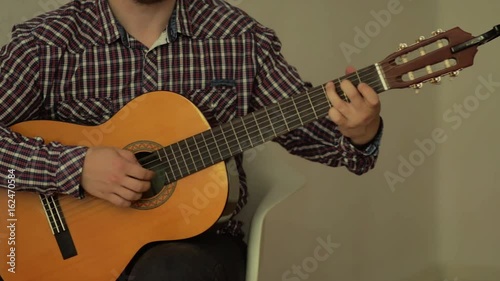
(106,237)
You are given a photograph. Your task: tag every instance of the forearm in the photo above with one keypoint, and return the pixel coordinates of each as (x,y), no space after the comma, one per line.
(43,168)
(321,142)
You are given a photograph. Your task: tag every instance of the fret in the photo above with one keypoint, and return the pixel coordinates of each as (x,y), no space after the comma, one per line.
(207,147)
(277,120)
(159,156)
(248,134)
(341,93)
(284,117)
(258,128)
(298,112)
(182,156)
(216,144)
(199,151)
(235,134)
(253,130)
(265,125)
(188,147)
(321,102)
(324,91)
(169,164)
(224,136)
(382,81)
(270,121)
(175,158)
(312,105)
(359,79)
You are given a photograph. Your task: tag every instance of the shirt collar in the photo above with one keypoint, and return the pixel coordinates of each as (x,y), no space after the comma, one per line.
(108,22)
(182,19)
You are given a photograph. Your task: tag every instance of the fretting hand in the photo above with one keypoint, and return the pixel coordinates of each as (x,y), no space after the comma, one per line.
(358,119)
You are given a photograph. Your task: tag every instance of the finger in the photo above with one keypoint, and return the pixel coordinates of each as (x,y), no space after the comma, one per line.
(138,172)
(337,117)
(126,193)
(351,92)
(350,69)
(334,98)
(128,155)
(135,185)
(370,96)
(117,200)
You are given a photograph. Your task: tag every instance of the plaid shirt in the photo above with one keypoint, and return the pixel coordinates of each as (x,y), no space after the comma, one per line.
(77,64)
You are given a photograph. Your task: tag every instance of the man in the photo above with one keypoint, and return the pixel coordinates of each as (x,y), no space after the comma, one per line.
(85,61)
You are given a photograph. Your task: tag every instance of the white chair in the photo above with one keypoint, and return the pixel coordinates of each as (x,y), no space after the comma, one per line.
(270,181)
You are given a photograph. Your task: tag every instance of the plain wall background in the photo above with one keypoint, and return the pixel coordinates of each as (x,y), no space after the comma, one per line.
(441,222)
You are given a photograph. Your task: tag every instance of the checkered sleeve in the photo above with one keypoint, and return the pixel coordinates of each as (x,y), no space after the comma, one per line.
(43,168)
(319,141)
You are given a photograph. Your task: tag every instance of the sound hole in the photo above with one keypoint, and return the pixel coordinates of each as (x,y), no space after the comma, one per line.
(158,181)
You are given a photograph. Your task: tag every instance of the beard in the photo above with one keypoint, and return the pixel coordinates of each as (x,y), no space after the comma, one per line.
(148,2)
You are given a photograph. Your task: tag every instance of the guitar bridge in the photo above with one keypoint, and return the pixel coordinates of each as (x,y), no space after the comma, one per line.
(58,226)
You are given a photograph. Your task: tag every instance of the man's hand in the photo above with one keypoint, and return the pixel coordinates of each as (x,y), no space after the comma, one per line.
(114,175)
(358,119)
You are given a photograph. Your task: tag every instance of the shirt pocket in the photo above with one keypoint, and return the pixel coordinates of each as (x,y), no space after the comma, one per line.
(218,104)
(90,111)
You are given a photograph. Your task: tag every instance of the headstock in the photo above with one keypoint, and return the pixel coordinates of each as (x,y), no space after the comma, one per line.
(445,53)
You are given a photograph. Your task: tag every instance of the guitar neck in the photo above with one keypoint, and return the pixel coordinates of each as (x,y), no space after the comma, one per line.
(220,143)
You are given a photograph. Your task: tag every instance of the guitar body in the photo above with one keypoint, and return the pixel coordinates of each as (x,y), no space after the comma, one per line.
(107,237)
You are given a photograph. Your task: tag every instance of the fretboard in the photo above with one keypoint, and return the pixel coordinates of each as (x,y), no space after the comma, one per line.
(220,143)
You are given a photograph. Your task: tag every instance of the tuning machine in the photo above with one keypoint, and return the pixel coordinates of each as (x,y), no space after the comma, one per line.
(437,32)
(417,87)
(420,39)
(436,80)
(402,46)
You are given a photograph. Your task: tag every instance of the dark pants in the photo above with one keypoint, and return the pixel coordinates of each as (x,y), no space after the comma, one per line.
(208,257)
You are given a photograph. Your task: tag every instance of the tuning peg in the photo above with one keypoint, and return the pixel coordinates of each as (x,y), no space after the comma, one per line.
(402,46)
(417,87)
(453,74)
(439,31)
(420,39)
(436,80)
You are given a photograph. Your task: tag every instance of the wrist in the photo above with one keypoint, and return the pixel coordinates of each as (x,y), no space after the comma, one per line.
(371,132)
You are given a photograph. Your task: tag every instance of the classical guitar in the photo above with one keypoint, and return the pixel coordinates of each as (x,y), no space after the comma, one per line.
(61,238)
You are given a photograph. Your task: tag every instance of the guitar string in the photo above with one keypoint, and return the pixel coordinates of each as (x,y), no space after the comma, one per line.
(311,92)
(386,66)
(239,121)
(369,79)
(195,164)
(373,76)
